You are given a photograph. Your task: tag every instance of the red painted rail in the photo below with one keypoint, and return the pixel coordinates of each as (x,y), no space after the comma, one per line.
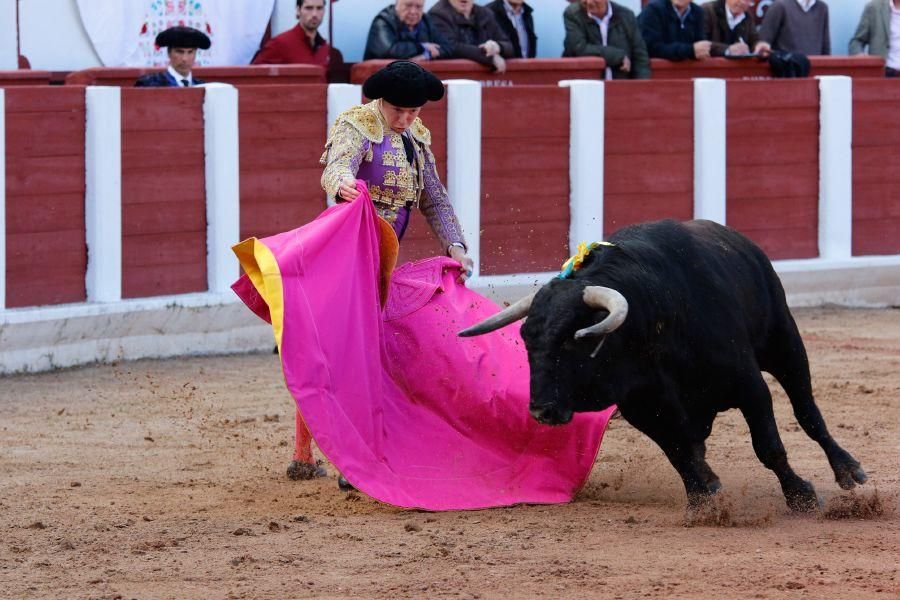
(535,71)
(246,75)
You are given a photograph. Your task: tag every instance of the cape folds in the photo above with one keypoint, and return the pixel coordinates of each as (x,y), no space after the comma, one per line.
(411,414)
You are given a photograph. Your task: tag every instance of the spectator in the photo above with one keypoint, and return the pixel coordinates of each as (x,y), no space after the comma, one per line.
(879,29)
(182,44)
(473,31)
(606,29)
(405,31)
(514,18)
(730,26)
(673,29)
(303,44)
(797,26)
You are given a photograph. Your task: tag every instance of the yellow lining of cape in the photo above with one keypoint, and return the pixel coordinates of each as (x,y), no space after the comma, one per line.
(261,267)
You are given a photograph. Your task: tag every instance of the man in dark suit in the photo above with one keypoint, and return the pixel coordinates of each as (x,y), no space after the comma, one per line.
(673,29)
(182,44)
(514,18)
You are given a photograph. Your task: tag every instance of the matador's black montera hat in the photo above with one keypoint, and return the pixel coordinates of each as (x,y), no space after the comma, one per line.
(183,37)
(404,84)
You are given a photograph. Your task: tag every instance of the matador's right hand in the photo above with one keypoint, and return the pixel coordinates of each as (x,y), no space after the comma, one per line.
(347,190)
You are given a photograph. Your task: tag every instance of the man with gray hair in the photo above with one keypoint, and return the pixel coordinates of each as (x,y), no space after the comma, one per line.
(403,30)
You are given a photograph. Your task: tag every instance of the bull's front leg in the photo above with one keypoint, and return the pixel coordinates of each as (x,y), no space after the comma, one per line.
(669,428)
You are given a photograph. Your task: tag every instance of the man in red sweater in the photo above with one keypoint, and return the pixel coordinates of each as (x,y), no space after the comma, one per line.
(303,44)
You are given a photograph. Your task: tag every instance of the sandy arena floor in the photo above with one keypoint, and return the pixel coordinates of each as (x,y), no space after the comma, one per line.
(165,479)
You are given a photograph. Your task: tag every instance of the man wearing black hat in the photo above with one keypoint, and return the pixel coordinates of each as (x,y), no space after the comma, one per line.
(385,144)
(182,44)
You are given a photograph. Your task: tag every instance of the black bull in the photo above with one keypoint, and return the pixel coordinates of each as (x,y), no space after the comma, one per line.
(674,323)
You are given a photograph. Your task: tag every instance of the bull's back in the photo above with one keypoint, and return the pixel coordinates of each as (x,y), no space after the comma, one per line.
(714,283)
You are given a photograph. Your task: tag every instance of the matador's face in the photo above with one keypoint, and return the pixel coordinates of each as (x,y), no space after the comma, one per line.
(398,118)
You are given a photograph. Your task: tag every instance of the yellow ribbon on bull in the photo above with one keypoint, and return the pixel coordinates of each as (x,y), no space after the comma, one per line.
(574,263)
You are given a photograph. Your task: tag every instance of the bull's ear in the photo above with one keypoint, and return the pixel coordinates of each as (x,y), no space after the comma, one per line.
(508,315)
(608,299)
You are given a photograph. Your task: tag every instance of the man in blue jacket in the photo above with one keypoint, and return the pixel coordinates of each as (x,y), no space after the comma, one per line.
(673,29)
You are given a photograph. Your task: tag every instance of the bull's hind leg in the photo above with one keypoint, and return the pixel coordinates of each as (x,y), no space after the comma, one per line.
(787,362)
(756,406)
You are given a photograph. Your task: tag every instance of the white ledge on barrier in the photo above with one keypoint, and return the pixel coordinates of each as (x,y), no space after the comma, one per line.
(103,193)
(709,150)
(223,221)
(464,161)
(587,114)
(2,199)
(835,167)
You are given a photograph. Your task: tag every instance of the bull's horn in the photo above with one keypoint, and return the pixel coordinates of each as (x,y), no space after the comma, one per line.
(608,299)
(503,318)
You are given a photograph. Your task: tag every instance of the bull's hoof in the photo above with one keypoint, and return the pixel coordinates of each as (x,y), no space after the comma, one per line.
(803,498)
(344,485)
(303,471)
(848,472)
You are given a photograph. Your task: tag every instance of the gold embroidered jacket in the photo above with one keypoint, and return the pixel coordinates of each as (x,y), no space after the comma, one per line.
(362,146)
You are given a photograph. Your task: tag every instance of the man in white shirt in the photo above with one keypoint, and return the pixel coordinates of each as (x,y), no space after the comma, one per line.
(182,44)
(879,33)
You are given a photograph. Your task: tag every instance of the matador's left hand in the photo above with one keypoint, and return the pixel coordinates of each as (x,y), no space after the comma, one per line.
(459,255)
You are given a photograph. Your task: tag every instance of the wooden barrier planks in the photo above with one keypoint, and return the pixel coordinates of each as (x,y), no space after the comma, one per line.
(876,167)
(649,152)
(282,135)
(46,252)
(524,179)
(163,192)
(773,165)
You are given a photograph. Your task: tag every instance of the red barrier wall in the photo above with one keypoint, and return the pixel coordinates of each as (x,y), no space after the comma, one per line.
(649,169)
(163,192)
(524,179)
(239,76)
(751,68)
(419,241)
(532,71)
(20,77)
(773,165)
(46,254)
(282,136)
(876,167)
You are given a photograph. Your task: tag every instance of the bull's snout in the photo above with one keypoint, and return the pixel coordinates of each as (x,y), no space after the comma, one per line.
(549,414)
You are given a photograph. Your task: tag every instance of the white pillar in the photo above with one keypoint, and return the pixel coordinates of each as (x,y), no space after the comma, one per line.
(587,114)
(220,112)
(342,96)
(709,150)
(103,193)
(2,199)
(464,161)
(835,167)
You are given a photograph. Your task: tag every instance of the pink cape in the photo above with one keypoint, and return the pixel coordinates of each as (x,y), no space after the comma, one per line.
(411,414)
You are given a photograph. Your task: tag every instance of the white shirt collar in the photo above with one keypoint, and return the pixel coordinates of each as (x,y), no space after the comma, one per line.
(605,19)
(179,77)
(734,21)
(510,11)
(806,5)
